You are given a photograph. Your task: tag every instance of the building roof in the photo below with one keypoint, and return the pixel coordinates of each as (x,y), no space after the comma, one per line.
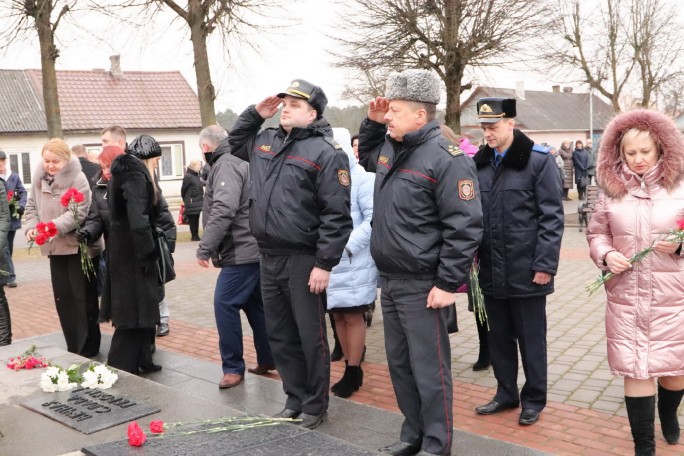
(92,100)
(20,110)
(544,111)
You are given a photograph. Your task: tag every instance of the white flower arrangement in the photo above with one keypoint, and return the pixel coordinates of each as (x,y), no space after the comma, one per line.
(99,377)
(56,378)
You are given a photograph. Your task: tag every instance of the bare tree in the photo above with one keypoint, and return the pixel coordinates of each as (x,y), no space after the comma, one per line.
(446,36)
(619,46)
(202,17)
(43,16)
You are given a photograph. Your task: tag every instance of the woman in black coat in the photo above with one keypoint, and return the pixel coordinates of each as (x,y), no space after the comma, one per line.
(580,159)
(192,192)
(133,289)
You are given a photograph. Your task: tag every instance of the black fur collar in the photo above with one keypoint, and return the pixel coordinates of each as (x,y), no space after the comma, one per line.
(517,156)
(127,163)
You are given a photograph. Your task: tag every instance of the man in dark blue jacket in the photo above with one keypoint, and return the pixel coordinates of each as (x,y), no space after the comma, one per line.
(523,227)
(427,223)
(300,216)
(16,188)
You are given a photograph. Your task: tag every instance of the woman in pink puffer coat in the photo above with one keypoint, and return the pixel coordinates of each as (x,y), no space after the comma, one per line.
(641,170)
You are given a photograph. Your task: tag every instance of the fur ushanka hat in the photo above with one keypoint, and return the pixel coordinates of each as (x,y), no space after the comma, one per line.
(413,85)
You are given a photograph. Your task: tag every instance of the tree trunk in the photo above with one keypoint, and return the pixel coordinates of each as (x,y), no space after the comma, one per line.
(453,84)
(48,56)
(205,88)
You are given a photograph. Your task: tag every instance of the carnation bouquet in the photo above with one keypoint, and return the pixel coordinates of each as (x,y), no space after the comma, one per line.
(674,235)
(71,199)
(56,378)
(98,377)
(27,360)
(44,233)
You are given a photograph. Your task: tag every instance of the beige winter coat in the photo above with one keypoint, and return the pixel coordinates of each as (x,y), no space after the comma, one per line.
(44,206)
(645,309)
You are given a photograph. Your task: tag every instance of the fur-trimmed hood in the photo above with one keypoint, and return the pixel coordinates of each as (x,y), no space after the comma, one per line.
(610,166)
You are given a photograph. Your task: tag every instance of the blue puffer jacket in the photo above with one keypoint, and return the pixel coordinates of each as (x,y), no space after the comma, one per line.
(353,282)
(14,184)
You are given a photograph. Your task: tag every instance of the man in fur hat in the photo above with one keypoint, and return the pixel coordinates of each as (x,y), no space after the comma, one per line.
(427,225)
(523,225)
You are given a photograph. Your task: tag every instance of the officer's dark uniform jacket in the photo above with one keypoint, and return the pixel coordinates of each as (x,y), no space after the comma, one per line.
(298,204)
(427,218)
(523,219)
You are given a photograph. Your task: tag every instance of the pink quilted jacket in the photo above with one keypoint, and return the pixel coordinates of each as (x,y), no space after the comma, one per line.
(645,310)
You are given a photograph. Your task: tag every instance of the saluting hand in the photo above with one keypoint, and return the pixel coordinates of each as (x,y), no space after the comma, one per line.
(439,298)
(318,280)
(268,106)
(377,109)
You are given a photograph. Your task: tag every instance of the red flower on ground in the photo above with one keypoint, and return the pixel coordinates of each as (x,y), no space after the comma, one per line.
(157,426)
(136,436)
(680,224)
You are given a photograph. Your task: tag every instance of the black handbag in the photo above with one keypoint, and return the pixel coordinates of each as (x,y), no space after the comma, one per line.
(451,319)
(164,257)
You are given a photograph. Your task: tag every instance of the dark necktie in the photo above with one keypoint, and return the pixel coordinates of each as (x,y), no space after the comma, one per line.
(497,160)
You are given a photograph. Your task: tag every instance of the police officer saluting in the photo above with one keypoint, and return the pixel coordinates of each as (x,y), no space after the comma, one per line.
(300,216)
(427,223)
(523,227)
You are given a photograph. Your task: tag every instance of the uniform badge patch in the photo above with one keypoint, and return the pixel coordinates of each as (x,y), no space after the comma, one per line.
(383,160)
(343,177)
(466,189)
(455,150)
(265,148)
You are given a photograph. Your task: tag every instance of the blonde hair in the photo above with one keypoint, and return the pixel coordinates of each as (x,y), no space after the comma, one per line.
(633,133)
(151,168)
(193,164)
(58,147)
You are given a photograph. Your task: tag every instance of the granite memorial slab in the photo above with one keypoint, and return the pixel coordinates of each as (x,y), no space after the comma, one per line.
(275,440)
(89,410)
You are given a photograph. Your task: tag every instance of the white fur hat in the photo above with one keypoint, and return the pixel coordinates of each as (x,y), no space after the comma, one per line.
(413,85)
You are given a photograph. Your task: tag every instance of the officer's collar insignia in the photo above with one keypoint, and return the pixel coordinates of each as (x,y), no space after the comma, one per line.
(265,148)
(343,177)
(383,160)
(466,189)
(485,109)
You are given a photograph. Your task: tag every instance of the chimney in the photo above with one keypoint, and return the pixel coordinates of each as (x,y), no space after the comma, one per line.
(567,89)
(555,89)
(520,90)
(115,67)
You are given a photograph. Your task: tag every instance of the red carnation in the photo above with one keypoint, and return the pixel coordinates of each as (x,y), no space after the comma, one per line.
(78,197)
(680,224)
(41,239)
(10,195)
(51,229)
(157,427)
(136,436)
(40,227)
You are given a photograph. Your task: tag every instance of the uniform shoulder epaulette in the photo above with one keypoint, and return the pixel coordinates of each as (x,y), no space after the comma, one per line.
(451,148)
(333,143)
(541,149)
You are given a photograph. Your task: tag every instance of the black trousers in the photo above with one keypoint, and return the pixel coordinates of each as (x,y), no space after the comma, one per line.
(193,221)
(295,323)
(76,302)
(518,323)
(419,358)
(131,348)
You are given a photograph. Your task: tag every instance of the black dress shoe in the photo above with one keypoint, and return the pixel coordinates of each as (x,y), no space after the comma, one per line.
(312,421)
(494,407)
(401,449)
(287,413)
(528,416)
(481,364)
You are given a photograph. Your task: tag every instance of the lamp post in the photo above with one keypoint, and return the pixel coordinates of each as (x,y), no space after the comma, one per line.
(591,114)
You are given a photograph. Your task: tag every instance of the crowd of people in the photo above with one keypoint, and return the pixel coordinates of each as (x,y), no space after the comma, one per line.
(303,220)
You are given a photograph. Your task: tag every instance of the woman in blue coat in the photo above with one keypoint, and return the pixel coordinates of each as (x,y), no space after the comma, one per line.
(353,282)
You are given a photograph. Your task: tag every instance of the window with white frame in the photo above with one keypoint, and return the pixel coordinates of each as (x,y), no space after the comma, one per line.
(171,162)
(21,164)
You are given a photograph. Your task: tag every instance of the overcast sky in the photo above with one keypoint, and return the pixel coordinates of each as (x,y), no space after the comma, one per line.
(301,51)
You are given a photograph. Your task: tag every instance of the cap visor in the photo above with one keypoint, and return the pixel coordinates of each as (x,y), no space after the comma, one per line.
(294,95)
(489,120)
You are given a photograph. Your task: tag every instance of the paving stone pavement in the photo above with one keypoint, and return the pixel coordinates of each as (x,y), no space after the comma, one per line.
(585,415)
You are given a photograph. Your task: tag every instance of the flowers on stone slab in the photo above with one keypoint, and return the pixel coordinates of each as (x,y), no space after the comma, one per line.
(98,377)
(160,429)
(27,360)
(71,199)
(56,378)
(674,235)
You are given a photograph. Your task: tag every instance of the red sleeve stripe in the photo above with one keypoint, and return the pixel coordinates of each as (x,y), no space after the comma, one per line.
(403,170)
(305,160)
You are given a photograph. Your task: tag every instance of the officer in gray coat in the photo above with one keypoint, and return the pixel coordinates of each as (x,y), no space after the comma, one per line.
(427,223)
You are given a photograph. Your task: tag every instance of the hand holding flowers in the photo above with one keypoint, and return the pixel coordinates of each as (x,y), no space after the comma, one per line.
(71,199)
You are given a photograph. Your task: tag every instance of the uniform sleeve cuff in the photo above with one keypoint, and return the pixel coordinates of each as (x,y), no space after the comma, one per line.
(449,287)
(325,265)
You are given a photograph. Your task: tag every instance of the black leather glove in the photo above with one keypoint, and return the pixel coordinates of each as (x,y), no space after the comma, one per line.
(20,211)
(83,236)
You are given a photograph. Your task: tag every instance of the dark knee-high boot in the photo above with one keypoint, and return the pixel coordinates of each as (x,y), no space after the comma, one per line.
(482,362)
(641,414)
(5,320)
(350,382)
(668,402)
